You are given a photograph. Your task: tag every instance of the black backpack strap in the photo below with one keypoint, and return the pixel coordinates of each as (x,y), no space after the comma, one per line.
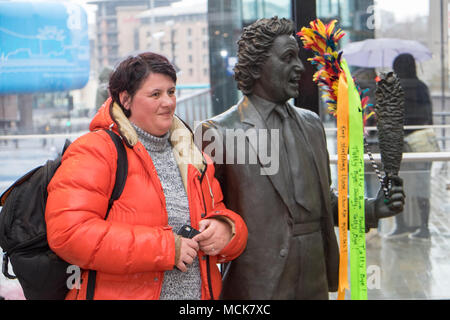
(121,177)
(5,267)
(121,171)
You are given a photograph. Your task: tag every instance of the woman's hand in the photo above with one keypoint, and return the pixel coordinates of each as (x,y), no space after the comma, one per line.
(188,252)
(214,236)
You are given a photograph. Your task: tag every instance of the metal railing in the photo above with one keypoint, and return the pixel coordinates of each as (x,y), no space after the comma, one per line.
(73,135)
(407,157)
(443,116)
(330,131)
(436,126)
(195,107)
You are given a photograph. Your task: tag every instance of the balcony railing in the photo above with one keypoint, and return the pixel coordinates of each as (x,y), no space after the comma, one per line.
(195,107)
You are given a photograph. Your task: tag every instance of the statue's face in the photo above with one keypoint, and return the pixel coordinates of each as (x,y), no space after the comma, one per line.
(280,74)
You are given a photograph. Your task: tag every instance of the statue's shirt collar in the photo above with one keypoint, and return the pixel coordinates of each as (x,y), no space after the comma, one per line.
(264,107)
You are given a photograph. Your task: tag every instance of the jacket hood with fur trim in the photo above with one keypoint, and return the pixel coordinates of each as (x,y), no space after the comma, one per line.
(111,116)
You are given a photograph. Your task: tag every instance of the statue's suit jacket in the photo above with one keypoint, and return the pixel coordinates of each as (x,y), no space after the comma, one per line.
(261,201)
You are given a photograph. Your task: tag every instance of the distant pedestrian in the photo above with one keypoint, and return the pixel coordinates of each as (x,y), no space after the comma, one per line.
(102,89)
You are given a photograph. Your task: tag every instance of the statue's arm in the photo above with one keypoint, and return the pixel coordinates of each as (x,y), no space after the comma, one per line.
(371,220)
(376,208)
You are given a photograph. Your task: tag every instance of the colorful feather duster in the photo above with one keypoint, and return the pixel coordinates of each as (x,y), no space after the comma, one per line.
(323,41)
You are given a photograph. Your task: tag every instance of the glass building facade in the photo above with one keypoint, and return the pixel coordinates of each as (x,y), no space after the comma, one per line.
(226,20)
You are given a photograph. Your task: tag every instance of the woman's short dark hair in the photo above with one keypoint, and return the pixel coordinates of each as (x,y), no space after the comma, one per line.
(130,74)
(254,46)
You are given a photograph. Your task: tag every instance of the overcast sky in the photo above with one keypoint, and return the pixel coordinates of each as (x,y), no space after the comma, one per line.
(405,9)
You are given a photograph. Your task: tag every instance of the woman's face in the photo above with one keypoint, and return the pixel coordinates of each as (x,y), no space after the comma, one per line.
(153,106)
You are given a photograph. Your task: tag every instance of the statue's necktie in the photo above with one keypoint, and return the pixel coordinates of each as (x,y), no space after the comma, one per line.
(300,161)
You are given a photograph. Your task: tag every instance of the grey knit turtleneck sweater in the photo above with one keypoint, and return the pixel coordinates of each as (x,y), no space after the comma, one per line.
(177,285)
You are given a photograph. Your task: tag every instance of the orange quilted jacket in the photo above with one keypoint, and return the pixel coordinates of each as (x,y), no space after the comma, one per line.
(135,245)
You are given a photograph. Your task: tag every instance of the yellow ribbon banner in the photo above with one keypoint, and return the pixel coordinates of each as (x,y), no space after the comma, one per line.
(356,191)
(342,146)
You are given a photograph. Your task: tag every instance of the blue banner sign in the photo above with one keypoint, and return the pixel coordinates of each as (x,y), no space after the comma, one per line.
(44,47)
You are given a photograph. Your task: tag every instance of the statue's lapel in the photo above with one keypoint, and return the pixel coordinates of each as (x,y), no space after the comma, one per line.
(310,134)
(251,119)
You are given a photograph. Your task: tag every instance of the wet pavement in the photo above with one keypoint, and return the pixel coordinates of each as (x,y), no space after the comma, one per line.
(417,269)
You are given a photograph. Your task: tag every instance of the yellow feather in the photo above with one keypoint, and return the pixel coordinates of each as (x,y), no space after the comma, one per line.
(331,27)
(321,27)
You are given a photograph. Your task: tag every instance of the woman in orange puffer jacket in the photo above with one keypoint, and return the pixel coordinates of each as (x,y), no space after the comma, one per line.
(136,251)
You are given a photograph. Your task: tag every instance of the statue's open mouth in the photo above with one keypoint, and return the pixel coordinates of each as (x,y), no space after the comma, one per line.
(294,80)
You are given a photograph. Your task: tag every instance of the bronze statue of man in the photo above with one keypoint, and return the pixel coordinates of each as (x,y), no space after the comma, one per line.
(292,251)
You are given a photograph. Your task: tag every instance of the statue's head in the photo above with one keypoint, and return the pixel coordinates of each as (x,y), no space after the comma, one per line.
(268,63)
